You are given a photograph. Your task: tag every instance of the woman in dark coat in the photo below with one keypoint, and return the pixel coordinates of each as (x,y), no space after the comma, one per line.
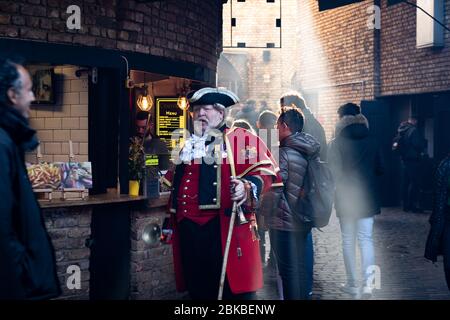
(438,242)
(355,161)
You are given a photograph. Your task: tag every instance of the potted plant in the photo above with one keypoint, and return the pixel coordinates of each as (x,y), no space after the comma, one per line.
(136,165)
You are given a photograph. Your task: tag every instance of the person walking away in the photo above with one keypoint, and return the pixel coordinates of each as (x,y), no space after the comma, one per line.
(355,161)
(410,144)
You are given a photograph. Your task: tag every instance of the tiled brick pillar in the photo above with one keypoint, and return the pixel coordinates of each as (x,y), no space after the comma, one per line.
(152,273)
(68,229)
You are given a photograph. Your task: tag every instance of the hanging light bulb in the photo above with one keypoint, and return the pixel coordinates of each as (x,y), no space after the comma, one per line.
(183,103)
(145,101)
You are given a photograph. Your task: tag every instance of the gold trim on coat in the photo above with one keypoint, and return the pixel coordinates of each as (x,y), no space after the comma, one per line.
(253,166)
(166,182)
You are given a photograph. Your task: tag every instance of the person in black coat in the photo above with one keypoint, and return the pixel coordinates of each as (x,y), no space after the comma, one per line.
(312,126)
(438,241)
(27,262)
(355,161)
(411,145)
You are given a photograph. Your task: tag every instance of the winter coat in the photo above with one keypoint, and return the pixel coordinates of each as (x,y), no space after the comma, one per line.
(314,128)
(293,166)
(441,211)
(355,160)
(412,142)
(27,263)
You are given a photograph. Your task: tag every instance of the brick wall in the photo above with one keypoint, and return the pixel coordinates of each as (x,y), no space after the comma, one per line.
(327,54)
(68,230)
(64,121)
(174,29)
(404,68)
(152,273)
(335,57)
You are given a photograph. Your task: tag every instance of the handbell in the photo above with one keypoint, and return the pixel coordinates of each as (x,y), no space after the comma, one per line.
(240,214)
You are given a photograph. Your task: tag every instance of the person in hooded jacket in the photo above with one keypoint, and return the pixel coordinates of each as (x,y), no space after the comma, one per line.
(438,241)
(27,262)
(411,145)
(290,236)
(355,160)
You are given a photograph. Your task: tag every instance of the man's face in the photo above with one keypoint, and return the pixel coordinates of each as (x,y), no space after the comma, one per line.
(206,117)
(22,97)
(141,125)
(283,130)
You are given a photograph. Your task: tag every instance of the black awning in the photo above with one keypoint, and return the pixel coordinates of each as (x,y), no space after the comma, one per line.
(331,4)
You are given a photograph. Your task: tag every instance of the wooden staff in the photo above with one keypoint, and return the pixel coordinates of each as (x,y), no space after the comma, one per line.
(227,246)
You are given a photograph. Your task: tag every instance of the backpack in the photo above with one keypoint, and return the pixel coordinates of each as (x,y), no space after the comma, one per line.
(315,202)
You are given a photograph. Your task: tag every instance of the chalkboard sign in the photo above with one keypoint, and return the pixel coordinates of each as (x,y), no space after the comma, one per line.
(169,117)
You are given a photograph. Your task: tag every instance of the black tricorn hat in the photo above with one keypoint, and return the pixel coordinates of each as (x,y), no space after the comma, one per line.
(206,96)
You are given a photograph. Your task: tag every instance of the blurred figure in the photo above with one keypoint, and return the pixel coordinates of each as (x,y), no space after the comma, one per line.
(355,162)
(27,262)
(152,143)
(263,106)
(241,123)
(438,242)
(410,144)
(266,129)
(248,112)
(266,123)
(312,126)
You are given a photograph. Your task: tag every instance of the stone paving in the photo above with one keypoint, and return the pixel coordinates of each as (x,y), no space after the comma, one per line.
(399,240)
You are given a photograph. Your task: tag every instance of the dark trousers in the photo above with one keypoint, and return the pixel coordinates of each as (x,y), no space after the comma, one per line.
(309,262)
(411,184)
(201,258)
(292,251)
(446,252)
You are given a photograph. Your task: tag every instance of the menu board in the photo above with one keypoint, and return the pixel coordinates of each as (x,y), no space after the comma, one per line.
(169,117)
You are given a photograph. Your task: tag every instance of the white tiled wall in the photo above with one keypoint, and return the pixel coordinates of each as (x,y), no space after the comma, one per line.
(64,121)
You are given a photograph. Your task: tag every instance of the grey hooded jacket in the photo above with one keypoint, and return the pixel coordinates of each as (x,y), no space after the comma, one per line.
(293,166)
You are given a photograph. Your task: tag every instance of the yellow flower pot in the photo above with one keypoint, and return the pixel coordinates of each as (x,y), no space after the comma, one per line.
(133,188)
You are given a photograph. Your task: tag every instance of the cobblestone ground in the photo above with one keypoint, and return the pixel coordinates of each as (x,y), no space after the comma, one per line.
(399,240)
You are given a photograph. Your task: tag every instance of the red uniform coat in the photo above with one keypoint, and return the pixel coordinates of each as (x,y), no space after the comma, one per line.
(246,157)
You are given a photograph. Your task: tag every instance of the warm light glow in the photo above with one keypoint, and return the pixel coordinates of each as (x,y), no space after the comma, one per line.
(145,101)
(183,103)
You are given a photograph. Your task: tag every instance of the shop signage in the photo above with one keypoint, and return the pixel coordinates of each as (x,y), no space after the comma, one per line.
(169,117)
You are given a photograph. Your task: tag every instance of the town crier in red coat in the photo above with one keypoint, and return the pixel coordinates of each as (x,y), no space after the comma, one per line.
(215,167)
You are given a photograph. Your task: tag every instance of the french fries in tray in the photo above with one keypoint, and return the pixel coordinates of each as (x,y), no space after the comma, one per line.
(44,175)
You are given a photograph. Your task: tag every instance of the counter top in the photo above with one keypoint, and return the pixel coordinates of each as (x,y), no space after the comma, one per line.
(91,200)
